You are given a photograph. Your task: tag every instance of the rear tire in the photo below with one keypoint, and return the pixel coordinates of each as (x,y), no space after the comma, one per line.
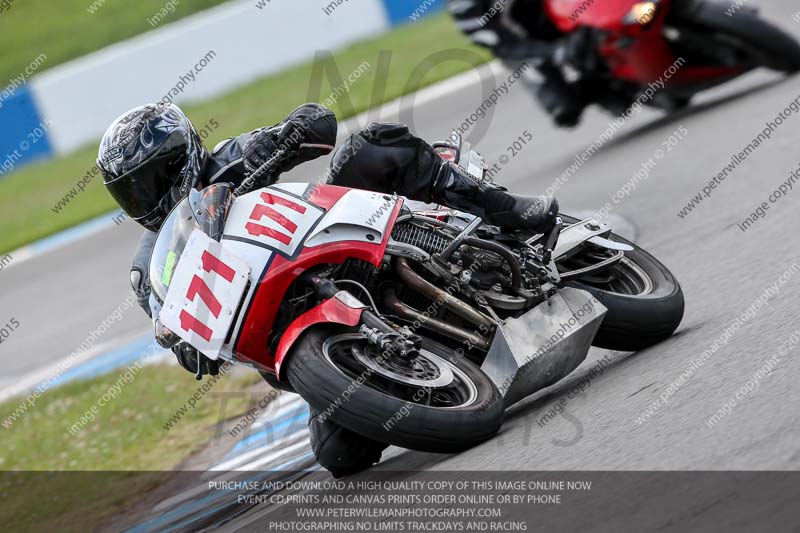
(776,49)
(637,321)
(312,373)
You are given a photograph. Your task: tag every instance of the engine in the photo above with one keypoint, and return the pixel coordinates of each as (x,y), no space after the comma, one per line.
(425,238)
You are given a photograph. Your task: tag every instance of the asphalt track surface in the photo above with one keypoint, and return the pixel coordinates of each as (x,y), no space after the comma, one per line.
(60,297)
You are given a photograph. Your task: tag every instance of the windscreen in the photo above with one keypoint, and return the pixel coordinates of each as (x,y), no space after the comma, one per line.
(169,245)
(206,210)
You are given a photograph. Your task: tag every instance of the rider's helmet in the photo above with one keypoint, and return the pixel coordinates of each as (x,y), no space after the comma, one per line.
(150,158)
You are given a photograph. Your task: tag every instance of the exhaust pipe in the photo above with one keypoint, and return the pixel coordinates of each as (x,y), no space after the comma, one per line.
(409,313)
(462,309)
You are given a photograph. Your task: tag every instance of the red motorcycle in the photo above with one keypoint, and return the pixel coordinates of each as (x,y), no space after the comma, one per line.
(415,327)
(675,47)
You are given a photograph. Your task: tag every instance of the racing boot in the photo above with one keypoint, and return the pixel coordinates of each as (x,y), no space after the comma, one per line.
(493,203)
(561,100)
(341,451)
(615,100)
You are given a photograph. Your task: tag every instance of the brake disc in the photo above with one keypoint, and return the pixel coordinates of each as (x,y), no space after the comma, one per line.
(425,370)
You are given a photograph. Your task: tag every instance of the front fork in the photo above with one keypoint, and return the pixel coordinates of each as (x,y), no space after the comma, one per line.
(376,331)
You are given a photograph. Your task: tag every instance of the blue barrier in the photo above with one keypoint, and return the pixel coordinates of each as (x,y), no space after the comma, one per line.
(405,11)
(23,136)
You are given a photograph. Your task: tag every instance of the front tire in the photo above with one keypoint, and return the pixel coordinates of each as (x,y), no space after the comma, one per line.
(644,300)
(324,369)
(773,47)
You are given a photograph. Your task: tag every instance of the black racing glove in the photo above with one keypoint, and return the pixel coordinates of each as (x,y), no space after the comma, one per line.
(288,136)
(258,150)
(578,50)
(307,133)
(188,358)
(512,47)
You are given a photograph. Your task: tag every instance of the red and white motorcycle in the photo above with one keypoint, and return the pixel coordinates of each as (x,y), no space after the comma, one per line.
(414,328)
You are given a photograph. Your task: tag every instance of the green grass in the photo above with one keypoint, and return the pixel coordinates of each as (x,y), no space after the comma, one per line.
(27,196)
(64,29)
(126,444)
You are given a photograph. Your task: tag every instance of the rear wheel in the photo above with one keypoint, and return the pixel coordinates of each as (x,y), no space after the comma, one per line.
(437,402)
(644,300)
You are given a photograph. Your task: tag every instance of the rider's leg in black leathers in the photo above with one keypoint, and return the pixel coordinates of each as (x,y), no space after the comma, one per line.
(388,158)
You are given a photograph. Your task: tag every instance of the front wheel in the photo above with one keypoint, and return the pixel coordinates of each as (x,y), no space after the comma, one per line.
(765,43)
(437,402)
(644,300)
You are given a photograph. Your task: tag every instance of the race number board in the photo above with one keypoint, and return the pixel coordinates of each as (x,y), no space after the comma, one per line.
(204,294)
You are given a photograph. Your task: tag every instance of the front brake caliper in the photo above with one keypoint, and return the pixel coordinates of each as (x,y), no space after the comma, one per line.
(403,343)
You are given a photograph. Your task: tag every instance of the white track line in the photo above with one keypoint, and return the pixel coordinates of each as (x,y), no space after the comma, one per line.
(245,461)
(30,381)
(281,456)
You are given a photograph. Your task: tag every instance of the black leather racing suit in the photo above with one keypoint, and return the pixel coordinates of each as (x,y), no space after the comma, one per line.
(520,31)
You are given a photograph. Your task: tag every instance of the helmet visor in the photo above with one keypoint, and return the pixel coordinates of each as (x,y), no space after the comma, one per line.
(143,188)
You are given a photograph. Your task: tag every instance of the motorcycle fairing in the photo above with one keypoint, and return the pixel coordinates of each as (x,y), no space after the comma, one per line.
(341,309)
(569,15)
(282,232)
(640,54)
